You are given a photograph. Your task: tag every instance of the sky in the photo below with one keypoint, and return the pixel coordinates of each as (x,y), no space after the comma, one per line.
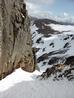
(50,7)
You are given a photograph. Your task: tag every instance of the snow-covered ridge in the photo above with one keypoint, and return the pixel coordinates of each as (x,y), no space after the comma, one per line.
(53,42)
(61,18)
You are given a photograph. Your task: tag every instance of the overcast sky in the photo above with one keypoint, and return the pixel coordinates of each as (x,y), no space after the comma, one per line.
(50,7)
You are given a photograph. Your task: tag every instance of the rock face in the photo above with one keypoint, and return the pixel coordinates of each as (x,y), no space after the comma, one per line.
(16,48)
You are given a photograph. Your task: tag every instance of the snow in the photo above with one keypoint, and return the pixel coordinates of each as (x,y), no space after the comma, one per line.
(33,28)
(21,84)
(18,76)
(57,39)
(62,27)
(71,50)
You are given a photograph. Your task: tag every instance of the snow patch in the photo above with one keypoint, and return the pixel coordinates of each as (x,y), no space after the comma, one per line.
(16,77)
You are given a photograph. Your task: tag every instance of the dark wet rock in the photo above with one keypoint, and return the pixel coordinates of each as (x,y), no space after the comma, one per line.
(71,35)
(33,32)
(60,51)
(55,60)
(47,35)
(44,63)
(70,61)
(58,73)
(38,40)
(72,38)
(51,44)
(42,57)
(46,31)
(43,49)
(48,72)
(66,38)
(66,45)
(68,74)
(52,71)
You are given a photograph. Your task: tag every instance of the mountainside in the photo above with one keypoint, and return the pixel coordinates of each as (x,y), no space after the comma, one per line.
(15,38)
(53,42)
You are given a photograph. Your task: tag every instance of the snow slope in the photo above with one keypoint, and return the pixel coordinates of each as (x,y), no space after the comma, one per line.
(21,84)
(58,42)
(16,77)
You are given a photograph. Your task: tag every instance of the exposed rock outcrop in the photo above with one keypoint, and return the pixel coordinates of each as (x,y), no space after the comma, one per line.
(16,48)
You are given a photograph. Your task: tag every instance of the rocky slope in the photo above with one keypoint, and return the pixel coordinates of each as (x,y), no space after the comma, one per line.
(15,38)
(53,44)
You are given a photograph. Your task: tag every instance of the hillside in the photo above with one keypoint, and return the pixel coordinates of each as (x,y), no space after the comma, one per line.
(53,44)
